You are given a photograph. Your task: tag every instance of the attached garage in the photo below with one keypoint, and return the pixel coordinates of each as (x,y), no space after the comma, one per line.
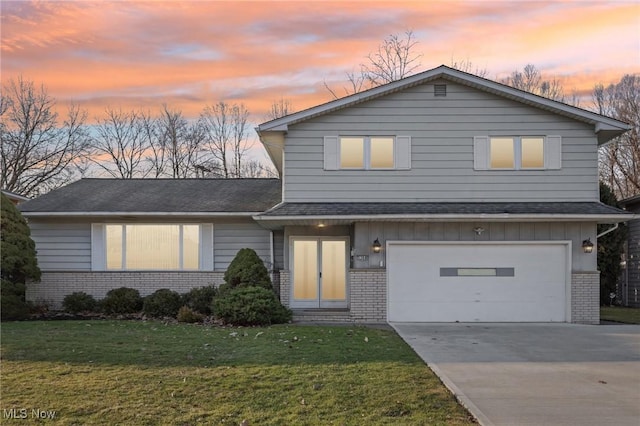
(478,282)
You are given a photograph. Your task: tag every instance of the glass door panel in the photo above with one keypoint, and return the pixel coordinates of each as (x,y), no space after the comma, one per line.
(319,273)
(334,267)
(305,272)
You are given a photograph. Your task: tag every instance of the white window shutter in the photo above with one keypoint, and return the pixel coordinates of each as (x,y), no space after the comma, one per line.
(206,247)
(553,152)
(331,150)
(403,153)
(98,247)
(481,152)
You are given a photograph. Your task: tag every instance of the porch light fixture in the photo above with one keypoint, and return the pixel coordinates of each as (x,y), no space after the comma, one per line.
(587,246)
(377,246)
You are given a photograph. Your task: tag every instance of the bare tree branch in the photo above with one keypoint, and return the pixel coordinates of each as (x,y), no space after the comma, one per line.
(620,159)
(120,145)
(394,59)
(37,153)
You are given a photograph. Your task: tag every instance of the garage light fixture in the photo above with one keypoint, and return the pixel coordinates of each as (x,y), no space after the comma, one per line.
(587,246)
(377,246)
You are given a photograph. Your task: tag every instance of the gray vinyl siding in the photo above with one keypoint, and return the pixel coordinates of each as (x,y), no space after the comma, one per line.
(66,246)
(367,232)
(62,246)
(442,131)
(229,238)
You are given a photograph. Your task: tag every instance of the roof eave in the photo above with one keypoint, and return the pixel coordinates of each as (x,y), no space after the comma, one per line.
(138,214)
(503,217)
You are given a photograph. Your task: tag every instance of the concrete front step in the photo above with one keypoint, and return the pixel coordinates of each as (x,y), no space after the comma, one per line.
(322,315)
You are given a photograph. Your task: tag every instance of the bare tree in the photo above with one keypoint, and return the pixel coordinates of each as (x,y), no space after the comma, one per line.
(36,151)
(530,79)
(226,131)
(179,147)
(280,108)
(465,65)
(255,169)
(620,159)
(121,144)
(394,59)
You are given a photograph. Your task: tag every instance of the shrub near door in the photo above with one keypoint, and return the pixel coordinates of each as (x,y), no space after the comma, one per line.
(248,298)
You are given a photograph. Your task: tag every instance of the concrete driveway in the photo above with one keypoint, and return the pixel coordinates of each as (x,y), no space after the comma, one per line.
(536,374)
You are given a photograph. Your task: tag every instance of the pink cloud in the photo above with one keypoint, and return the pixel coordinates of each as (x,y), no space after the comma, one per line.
(140,54)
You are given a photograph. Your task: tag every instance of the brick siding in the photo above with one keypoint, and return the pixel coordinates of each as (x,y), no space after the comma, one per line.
(585,297)
(367,296)
(368,290)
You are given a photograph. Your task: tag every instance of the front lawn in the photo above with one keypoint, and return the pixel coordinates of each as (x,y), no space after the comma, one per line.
(128,372)
(620,314)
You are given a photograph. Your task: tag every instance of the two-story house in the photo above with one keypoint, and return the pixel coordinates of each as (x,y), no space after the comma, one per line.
(440,197)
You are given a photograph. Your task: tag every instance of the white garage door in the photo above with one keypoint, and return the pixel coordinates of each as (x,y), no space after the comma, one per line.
(432,282)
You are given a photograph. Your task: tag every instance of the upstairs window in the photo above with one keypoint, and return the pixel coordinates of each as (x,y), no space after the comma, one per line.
(367,152)
(375,152)
(517,152)
(352,153)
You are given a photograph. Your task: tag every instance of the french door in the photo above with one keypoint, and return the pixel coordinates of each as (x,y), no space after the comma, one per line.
(319,268)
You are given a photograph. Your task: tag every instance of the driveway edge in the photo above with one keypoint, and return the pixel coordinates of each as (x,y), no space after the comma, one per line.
(460,396)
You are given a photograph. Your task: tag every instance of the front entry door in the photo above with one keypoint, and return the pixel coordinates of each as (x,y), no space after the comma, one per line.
(319,267)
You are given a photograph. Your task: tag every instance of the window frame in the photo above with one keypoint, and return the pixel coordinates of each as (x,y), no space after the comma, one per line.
(517,152)
(366,163)
(123,250)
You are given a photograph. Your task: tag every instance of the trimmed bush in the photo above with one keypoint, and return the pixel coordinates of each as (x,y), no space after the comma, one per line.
(186,314)
(162,303)
(79,302)
(247,269)
(122,300)
(250,306)
(12,304)
(199,299)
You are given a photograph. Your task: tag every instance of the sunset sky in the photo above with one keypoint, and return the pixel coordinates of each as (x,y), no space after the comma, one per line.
(189,54)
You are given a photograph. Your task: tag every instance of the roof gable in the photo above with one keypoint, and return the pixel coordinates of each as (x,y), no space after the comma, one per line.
(606,127)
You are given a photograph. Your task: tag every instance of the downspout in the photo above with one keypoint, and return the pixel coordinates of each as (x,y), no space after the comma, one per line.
(271,252)
(613,228)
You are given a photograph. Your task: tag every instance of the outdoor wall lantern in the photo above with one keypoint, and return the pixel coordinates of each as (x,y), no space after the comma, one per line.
(587,246)
(377,246)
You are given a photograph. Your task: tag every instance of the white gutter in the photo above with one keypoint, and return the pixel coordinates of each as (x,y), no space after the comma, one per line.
(271,250)
(456,217)
(141,214)
(613,228)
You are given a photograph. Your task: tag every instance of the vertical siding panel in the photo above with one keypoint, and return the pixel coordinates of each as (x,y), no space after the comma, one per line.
(497,231)
(452,232)
(422,231)
(527,231)
(512,231)
(436,231)
(541,231)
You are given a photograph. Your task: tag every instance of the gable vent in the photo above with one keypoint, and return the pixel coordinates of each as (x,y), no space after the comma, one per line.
(440,90)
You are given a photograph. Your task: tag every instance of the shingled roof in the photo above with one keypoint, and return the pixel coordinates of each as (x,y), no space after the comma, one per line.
(358,209)
(103,196)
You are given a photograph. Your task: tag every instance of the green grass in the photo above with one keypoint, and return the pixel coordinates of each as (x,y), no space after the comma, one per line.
(620,314)
(147,373)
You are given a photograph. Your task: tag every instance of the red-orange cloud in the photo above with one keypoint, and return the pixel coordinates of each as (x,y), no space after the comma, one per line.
(191,53)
